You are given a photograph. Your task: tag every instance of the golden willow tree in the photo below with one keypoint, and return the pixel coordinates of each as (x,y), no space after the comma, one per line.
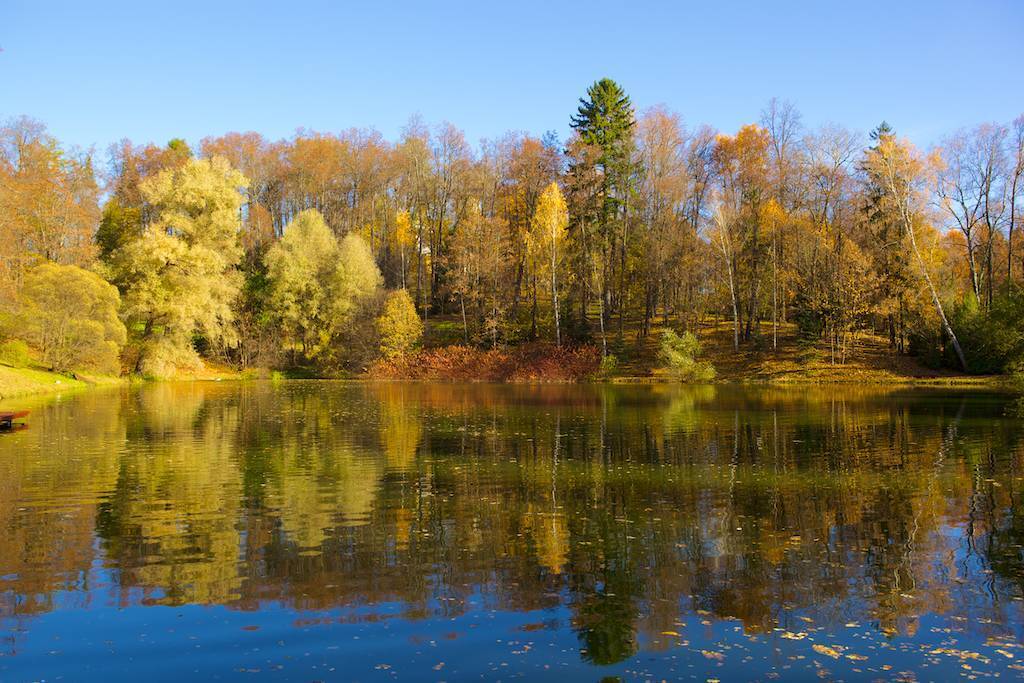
(71,316)
(178,277)
(302,267)
(319,287)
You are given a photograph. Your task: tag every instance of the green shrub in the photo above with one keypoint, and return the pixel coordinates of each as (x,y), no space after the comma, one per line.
(993,339)
(679,357)
(14,353)
(810,323)
(807,351)
(609,366)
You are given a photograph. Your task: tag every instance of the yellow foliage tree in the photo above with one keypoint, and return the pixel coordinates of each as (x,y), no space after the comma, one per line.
(318,286)
(70,316)
(179,276)
(48,203)
(547,234)
(399,327)
(404,238)
(301,267)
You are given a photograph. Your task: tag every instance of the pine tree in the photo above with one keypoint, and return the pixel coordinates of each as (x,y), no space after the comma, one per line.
(881,221)
(605,120)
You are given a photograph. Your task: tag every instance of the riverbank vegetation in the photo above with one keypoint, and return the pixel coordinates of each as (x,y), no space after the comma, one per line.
(637,247)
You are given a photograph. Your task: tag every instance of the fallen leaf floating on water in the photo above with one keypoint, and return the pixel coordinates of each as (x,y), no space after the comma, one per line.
(826,650)
(962,654)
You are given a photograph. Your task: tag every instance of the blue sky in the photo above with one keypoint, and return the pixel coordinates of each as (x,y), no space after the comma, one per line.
(96,72)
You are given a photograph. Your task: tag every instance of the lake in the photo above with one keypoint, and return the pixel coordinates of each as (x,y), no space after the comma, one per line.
(347,531)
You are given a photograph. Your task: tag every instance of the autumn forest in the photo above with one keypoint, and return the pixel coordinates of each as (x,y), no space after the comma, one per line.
(637,245)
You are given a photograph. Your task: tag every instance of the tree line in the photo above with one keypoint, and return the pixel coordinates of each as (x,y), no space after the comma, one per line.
(330,249)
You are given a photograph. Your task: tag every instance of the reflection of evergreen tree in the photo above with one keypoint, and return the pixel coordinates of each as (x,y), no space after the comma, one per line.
(1005,551)
(605,627)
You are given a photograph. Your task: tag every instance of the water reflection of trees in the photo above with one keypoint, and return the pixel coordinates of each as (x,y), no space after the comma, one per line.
(628,506)
(52,478)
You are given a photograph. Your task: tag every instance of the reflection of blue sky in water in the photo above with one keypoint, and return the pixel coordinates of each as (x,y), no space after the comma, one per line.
(545,531)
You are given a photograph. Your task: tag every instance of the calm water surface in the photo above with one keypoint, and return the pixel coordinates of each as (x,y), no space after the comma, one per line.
(332,531)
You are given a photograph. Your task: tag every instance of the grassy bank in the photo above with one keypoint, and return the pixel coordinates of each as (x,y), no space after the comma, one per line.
(788,360)
(33,381)
(15,382)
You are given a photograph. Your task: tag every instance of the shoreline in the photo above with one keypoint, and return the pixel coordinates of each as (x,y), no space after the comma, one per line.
(24,382)
(965,381)
(18,383)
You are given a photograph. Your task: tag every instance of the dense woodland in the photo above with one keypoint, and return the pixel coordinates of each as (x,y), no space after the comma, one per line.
(330,251)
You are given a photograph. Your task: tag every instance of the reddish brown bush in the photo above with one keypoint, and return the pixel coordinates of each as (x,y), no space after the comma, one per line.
(527,363)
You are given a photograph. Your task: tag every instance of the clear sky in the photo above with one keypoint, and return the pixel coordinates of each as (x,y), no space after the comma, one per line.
(97,71)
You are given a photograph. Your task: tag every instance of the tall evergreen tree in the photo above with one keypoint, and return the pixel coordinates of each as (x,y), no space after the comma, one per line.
(605,120)
(888,259)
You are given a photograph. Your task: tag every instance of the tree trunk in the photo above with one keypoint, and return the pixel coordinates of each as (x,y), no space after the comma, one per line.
(1011,226)
(465,326)
(735,308)
(775,296)
(554,299)
(533,312)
